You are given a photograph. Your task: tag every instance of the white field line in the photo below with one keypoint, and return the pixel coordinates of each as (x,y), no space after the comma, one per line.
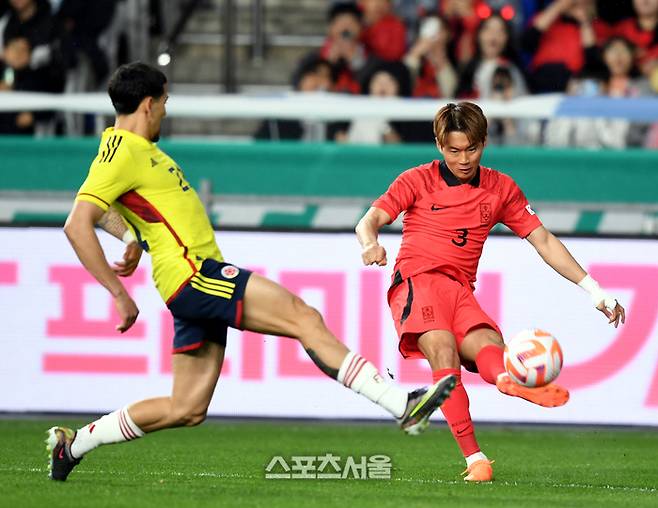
(583,486)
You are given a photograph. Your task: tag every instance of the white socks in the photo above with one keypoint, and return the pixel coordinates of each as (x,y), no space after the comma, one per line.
(361,376)
(115,427)
(474,458)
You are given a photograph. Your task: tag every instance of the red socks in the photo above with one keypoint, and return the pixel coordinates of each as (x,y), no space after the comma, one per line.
(455,410)
(489,362)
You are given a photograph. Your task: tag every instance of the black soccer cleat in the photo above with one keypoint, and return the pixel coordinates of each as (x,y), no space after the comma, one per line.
(422,403)
(60,460)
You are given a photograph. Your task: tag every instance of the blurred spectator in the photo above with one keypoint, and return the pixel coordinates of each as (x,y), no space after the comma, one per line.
(429,61)
(507,131)
(384,34)
(621,79)
(17,75)
(494,49)
(558,37)
(312,75)
(31,19)
(511,11)
(642,30)
(612,12)
(342,47)
(411,12)
(384,79)
(463,18)
(82,24)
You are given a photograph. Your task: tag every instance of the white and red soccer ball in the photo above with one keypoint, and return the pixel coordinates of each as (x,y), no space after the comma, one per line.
(533,358)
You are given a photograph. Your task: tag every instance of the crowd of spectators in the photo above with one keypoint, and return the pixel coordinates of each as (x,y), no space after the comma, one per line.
(495,49)
(42,43)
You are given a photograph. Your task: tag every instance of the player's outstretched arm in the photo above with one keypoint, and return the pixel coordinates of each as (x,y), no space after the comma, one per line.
(367,231)
(558,257)
(79,229)
(112,222)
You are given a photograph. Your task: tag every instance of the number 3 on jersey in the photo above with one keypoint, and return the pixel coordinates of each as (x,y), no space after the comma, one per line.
(176,171)
(461,240)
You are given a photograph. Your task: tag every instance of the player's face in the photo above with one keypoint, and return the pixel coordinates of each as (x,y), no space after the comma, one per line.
(158,112)
(461,156)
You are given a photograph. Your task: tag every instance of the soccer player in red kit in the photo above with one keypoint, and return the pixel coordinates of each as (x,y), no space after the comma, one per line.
(450,206)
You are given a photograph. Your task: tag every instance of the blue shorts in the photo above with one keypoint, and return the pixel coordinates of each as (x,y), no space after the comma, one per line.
(208,304)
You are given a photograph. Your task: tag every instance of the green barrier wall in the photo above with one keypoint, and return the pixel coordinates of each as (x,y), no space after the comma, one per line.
(328,170)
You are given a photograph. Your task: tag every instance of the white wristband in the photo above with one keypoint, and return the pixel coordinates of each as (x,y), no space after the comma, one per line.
(128,237)
(597,294)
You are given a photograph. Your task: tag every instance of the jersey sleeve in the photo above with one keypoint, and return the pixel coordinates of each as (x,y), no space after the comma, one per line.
(400,195)
(108,178)
(517,213)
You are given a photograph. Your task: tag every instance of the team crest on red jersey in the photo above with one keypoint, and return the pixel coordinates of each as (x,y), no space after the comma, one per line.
(428,313)
(230,272)
(485,213)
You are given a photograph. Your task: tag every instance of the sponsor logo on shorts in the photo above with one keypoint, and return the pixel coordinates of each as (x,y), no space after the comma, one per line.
(230,272)
(428,313)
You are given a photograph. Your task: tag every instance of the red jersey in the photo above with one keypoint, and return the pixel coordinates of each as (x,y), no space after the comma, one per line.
(645,40)
(562,43)
(386,39)
(446,222)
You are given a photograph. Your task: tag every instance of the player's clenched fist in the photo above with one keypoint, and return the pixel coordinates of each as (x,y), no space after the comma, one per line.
(373,254)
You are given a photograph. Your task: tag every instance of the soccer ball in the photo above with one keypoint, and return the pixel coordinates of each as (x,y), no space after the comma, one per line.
(533,358)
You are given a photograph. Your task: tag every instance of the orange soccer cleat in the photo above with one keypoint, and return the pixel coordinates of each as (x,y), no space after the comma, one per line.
(550,395)
(479,471)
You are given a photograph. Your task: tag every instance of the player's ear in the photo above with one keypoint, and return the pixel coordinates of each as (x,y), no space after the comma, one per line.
(147,102)
(438,145)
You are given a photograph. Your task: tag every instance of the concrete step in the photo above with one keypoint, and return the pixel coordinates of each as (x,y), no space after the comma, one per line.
(293,28)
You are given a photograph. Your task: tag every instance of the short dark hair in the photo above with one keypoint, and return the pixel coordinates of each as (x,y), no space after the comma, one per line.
(310,64)
(344,7)
(132,83)
(465,117)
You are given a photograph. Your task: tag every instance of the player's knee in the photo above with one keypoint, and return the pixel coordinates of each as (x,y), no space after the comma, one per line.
(441,351)
(309,318)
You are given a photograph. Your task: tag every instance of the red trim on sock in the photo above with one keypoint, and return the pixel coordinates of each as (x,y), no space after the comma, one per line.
(489,362)
(123,429)
(349,367)
(124,422)
(349,378)
(455,410)
(357,369)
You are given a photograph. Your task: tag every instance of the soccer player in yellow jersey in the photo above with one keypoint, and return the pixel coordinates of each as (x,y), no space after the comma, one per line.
(134,190)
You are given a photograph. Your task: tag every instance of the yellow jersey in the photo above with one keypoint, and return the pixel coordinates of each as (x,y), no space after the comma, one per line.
(164,212)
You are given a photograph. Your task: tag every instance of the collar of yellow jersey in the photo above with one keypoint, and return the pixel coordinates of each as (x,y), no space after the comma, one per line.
(136,138)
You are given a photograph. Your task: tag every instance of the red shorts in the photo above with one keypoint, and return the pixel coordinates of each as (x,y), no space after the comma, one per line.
(433,301)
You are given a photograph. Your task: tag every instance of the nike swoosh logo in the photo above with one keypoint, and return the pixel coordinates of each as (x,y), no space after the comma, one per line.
(436,208)
(61,453)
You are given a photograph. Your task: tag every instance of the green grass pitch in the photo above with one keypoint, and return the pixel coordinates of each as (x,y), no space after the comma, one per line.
(222,463)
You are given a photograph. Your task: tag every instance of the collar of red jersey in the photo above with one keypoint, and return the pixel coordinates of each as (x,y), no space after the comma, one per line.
(452,180)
